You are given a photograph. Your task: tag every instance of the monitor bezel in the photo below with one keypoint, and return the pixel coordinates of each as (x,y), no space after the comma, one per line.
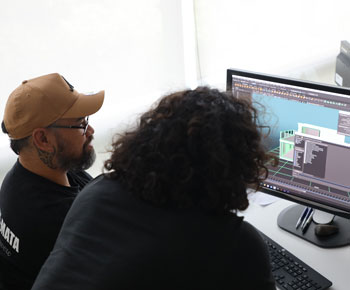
(300,83)
(285,80)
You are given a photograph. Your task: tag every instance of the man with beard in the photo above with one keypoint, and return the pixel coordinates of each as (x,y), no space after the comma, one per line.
(47,123)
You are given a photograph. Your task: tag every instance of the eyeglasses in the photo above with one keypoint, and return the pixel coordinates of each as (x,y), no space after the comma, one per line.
(83,126)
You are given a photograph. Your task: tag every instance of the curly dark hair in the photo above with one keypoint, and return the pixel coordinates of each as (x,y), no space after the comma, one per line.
(197,148)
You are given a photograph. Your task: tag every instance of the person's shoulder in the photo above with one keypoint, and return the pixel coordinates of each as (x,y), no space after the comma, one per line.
(249,233)
(17,172)
(99,188)
(251,240)
(255,257)
(19,181)
(101,182)
(252,244)
(96,203)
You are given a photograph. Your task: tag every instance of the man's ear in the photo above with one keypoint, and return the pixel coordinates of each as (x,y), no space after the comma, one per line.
(42,139)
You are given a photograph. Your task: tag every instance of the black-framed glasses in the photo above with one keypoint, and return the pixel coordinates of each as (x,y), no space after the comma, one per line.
(83,126)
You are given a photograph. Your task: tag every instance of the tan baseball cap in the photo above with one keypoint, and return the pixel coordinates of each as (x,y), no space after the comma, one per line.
(39,102)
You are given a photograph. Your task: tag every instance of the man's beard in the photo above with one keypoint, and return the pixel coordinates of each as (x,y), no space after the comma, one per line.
(66,161)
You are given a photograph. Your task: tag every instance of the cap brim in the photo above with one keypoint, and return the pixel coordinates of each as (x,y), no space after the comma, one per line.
(85,105)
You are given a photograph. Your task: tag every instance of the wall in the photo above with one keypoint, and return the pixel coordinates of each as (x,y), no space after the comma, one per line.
(139,50)
(299,38)
(133,49)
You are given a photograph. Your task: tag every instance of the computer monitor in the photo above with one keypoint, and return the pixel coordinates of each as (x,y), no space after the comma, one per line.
(310,134)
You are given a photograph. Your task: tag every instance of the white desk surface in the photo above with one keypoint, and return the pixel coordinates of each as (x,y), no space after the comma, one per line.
(334,264)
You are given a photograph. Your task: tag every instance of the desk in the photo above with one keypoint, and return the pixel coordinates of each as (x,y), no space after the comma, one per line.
(334,264)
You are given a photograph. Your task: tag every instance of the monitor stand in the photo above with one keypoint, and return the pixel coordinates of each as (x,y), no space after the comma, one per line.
(288,218)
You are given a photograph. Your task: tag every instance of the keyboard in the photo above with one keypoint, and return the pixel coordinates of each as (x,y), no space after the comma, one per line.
(291,273)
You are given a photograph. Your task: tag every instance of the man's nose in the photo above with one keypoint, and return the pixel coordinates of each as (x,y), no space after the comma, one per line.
(90,130)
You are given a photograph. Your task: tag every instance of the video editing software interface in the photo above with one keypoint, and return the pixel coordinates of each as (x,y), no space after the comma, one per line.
(310,133)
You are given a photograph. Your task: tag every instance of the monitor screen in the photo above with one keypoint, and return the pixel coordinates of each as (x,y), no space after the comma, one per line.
(309,132)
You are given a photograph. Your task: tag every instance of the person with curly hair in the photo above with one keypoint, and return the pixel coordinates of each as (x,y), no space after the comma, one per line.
(164,215)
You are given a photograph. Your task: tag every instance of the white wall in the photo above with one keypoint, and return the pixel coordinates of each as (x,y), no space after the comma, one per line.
(299,38)
(133,49)
(138,50)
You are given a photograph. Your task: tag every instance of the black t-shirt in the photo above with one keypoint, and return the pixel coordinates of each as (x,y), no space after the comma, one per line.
(112,240)
(32,212)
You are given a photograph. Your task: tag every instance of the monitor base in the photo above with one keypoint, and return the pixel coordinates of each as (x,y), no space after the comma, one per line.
(287,220)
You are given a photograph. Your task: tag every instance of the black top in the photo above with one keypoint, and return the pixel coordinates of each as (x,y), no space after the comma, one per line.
(32,212)
(112,240)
